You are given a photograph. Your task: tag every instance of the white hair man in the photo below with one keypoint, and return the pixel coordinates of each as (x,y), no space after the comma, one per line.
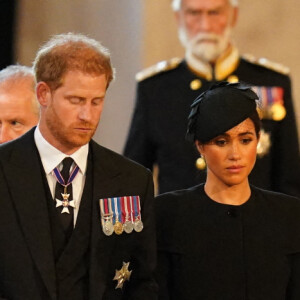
(19,108)
(166,91)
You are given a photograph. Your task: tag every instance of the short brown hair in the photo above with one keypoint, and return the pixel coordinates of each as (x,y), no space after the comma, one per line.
(66,52)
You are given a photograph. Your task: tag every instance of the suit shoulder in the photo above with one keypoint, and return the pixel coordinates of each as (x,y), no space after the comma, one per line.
(266,63)
(158,68)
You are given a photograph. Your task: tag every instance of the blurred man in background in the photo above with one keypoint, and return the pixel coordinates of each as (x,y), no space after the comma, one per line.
(19,108)
(166,91)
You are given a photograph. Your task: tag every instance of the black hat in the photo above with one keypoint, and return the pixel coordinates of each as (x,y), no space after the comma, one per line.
(220,108)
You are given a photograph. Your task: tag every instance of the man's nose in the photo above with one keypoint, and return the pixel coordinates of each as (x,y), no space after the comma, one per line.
(85,112)
(204,23)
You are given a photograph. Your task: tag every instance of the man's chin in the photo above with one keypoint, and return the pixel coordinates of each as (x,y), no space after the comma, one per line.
(205,55)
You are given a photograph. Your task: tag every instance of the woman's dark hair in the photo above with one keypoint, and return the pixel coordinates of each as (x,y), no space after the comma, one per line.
(256,121)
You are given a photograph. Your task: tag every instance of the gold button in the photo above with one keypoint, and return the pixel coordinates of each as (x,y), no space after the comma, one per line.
(195,84)
(233,79)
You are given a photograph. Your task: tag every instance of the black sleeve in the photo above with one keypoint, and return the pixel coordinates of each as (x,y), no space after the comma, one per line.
(142,284)
(293,290)
(139,146)
(285,157)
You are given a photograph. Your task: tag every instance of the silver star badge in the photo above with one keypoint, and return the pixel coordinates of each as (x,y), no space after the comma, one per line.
(65,203)
(122,275)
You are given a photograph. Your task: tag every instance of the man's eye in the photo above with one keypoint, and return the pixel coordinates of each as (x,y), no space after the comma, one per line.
(75,100)
(15,123)
(97,101)
(192,13)
(214,13)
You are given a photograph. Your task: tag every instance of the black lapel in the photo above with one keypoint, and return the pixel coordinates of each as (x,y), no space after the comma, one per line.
(106,184)
(23,172)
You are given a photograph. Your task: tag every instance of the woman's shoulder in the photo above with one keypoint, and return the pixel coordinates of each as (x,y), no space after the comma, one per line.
(275,196)
(178,197)
(276,200)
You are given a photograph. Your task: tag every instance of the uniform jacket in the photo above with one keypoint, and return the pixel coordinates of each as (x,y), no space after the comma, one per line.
(158,128)
(213,251)
(27,268)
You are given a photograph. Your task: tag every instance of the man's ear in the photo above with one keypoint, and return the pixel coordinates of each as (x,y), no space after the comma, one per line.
(234,16)
(177,18)
(43,93)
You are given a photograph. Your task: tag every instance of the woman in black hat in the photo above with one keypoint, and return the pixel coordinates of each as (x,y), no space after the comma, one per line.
(226,239)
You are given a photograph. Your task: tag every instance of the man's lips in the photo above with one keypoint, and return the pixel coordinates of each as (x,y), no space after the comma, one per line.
(208,40)
(83,129)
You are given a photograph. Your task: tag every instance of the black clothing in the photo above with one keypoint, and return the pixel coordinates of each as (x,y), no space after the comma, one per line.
(36,263)
(212,251)
(159,125)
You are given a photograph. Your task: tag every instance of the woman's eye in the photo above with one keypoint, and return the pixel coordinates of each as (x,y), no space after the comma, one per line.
(220,142)
(246,141)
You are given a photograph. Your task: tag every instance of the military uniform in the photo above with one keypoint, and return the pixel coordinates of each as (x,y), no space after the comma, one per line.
(164,95)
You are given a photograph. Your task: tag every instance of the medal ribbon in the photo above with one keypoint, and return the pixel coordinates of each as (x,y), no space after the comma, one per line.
(127,209)
(60,179)
(114,209)
(123,213)
(137,208)
(118,208)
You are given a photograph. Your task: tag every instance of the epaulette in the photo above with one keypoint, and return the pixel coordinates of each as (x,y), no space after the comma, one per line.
(161,66)
(277,67)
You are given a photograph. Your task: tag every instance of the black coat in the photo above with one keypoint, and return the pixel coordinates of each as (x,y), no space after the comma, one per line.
(27,270)
(157,133)
(212,251)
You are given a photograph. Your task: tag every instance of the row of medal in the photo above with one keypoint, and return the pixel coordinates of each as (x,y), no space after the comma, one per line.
(119,214)
(271,102)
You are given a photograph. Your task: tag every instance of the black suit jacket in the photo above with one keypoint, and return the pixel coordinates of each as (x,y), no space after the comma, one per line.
(159,124)
(27,269)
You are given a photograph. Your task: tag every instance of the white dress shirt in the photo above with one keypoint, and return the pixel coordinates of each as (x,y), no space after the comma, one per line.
(52,158)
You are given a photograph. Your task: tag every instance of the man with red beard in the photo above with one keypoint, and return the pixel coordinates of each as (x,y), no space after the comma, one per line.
(76,219)
(166,91)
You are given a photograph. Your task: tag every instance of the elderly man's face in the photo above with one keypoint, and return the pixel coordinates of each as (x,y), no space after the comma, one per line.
(17,111)
(205,26)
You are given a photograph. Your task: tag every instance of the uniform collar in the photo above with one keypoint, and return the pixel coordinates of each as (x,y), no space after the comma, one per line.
(224,65)
(52,157)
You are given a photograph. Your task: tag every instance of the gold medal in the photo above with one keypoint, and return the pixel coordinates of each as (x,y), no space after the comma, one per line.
(118,227)
(278,112)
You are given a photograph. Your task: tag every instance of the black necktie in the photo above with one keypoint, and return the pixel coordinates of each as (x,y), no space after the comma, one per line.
(65,218)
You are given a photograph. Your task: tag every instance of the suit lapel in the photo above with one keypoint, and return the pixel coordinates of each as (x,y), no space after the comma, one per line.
(24,176)
(106,178)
